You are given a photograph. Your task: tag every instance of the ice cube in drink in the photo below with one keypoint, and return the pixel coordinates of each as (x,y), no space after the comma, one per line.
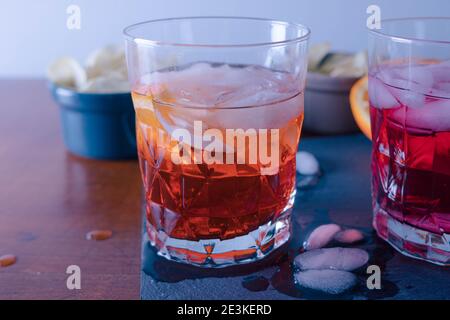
(217,213)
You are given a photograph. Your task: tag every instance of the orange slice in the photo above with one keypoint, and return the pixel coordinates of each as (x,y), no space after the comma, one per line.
(359,102)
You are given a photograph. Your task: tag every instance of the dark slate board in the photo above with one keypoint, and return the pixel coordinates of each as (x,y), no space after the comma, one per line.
(342,196)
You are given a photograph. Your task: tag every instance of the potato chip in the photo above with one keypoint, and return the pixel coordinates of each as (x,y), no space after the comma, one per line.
(106,71)
(110,83)
(316,54)
(67,72)
(345,65)
(322,60)
(104,60)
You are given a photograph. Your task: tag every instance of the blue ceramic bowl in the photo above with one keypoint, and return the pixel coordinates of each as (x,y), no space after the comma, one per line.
(97,125)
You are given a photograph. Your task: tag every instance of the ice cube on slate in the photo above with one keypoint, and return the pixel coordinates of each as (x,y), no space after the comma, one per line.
(346,259)
(349,236)
(328,281)
(321,236)
(307,164)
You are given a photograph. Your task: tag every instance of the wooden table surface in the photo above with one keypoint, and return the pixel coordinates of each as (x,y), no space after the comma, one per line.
(50,199)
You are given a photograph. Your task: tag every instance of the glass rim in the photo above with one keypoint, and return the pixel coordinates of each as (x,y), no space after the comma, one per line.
(404,39)
(127,32)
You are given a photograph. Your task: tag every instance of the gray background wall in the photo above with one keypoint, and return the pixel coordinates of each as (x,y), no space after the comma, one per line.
(33,32)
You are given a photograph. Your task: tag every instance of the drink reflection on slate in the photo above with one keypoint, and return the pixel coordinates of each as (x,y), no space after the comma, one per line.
(282,280)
